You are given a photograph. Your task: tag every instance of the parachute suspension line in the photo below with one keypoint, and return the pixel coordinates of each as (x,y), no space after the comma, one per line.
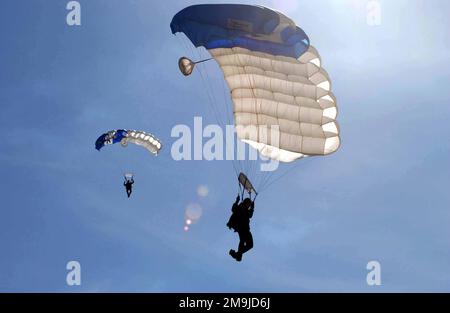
(228,102)
(266,179)
(244,163)
(268,183)
(267,176)
(209,90)
(216,104)
(255,162)
(252,163)
(226,95)
(229,116)
(263,177)
(209,93)
(287,171)
(184,42)
(254,199)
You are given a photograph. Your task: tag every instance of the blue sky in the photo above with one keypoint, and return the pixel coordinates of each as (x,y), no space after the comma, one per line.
(383,196)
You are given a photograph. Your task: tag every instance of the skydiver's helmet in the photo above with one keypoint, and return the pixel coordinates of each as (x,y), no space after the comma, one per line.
(247,203)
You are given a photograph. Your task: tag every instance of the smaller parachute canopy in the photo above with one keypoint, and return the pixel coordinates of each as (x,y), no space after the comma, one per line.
(186,66)
(246,184)
(140,138)
(128,176)
(109,138)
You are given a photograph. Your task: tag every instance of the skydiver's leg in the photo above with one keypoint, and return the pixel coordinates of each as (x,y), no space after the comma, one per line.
(238,255)
(246,241)
(241,247)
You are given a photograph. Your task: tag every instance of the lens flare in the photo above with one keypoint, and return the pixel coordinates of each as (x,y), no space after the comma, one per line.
(193,212)
(202,191)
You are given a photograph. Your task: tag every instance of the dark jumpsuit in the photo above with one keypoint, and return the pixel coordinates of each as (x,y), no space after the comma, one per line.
(240,222)
(128,186)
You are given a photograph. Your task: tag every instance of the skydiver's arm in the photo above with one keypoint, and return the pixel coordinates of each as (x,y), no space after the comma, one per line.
(235,205)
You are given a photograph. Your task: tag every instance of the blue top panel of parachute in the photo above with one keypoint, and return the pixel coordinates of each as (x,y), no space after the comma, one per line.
(109,138)
(238,25)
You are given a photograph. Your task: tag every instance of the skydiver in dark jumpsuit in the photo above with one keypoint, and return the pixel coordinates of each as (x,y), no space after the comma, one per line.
(129,186)
(240,222)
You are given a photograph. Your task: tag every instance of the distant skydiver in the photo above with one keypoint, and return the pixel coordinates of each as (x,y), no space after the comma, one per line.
(128,183)
(124,137)
(240,223)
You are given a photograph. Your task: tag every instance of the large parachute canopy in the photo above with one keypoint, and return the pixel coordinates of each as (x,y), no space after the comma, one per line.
(275,78)
(146,140)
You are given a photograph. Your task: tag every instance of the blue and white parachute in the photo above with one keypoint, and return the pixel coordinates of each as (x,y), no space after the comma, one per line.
(146,140)
(273,73)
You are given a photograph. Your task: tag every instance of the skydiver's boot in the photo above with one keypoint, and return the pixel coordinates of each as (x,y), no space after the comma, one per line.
(236,255)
